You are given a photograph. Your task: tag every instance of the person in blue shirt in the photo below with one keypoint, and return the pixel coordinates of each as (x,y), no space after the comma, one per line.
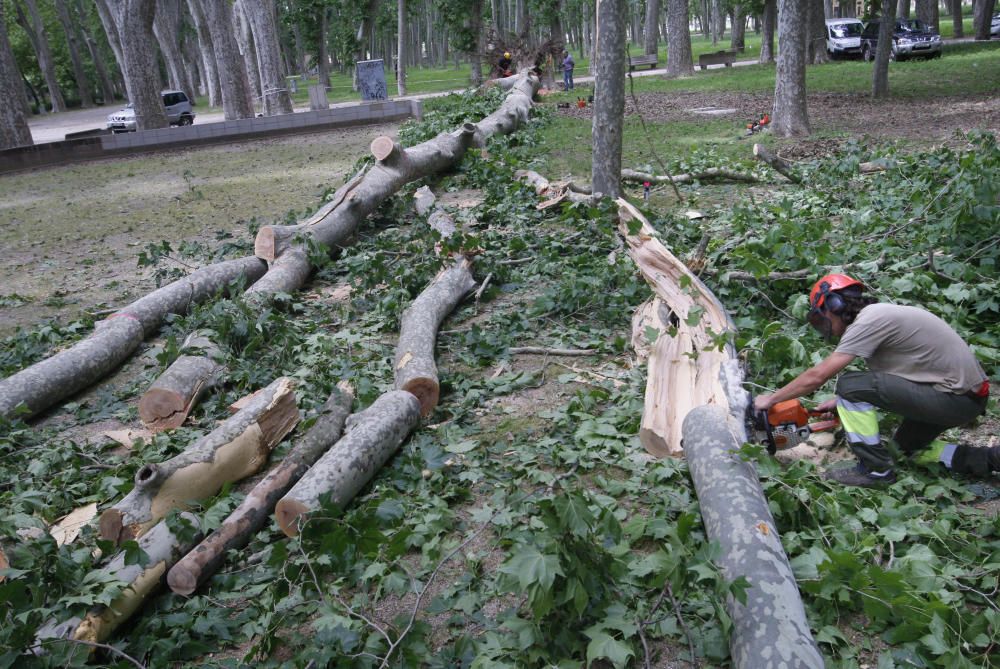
(567,68)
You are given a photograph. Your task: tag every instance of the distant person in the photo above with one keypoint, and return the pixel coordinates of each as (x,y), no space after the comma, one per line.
(506,65)
(567,69)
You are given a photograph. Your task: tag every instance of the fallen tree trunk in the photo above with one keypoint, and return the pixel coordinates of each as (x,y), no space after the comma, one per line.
(710,174)
(684,369)
(557,192)
(373,435)
(777,163)
(173,395)
(114,339)
(771,629)
(254,511)
(416,371)
(162,547)
(234,450)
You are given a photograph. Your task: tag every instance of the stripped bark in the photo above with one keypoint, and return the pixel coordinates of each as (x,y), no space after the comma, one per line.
(654,314)
(770,629)
(684,368)
(254,511)
(162,547)
(779,164)
(373,435)
(711,173)
(234,450)
(416,371)
(173,395)
(114,339)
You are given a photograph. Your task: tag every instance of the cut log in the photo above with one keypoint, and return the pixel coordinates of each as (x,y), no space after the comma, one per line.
(236,449)
(372,437)
(873,166)
(710,174)
(114,339)
(254,511)
(771,628)
(170,399)
(163,548)
(777,163)
(416,371)
(684,369)
(385,149)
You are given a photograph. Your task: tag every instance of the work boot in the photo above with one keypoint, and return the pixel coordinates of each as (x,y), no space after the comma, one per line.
(859,475)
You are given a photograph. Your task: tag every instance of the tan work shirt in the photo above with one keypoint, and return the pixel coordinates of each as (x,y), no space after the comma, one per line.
(914,344)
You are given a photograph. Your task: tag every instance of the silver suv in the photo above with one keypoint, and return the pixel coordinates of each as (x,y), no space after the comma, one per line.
(178,113)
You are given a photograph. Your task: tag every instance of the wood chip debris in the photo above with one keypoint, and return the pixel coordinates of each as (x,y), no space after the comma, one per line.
(128,436)
(67,528)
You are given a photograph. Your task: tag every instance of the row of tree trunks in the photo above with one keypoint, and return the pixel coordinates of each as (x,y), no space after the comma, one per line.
(685,369)
(373,435)
(114,339)
(35,30)
(173,395)
(254,511)
(162,547)
(236,449)
(710,174)
(14,130)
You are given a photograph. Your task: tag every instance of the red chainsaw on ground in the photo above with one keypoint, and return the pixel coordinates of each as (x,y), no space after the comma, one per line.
(786,424)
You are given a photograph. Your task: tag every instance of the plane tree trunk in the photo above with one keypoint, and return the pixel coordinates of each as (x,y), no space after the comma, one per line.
(652,34)
(982,15)
(609,98)
(816,41)
(72,46)
(134,21)
(679,60)
(166,29)
(14,130)
(234,83)
(791,118)
(35,30)
(883,51)
(264,25)
(769,21)
(206,51)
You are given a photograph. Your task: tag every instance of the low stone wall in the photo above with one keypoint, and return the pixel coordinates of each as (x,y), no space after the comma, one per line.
(106,145)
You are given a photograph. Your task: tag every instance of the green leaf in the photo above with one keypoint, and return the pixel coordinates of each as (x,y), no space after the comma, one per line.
(574,513)
(462,446)
(531,567)
(605,647)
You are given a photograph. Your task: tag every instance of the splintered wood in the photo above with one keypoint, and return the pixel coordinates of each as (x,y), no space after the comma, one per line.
(686,359)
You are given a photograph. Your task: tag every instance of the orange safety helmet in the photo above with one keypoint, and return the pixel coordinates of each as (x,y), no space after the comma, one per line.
(824,297)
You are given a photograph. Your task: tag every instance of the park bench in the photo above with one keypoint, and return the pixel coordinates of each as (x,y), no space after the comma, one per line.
(718,58)
(636,61)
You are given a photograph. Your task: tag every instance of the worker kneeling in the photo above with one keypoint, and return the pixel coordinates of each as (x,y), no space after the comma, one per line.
(919,368)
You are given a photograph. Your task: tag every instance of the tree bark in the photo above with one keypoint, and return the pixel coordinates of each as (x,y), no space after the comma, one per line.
(163,548)
(372,437)
(248,53)
(883,51)
(134,19)
(72,46)
(791,118)
(206,50)
(707,174)
(902,9)
(982,15)
(103,76)
(401,47)
(234,450)
(679,60)
(767,41)
(173,395)
(416,371)
(816,45)
(114,339)
(263,24)
(166,29)
(35,30)
(14,130)
(609,98)
(777,163)
(927,13)
(738,34)
(958,27)
(109,22)
(255,510)
(323,55)
(237,96)
(475,23)
(652,33)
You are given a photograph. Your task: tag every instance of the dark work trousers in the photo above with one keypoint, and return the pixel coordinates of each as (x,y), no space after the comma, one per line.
(926,414)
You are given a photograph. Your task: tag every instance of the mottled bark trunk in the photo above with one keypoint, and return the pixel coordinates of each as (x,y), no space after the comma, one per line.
(883,51)
(173,395)
(134,19)
(206,50)
(14,130)
(255,510)
(652,34)
(791,118)
(248,54)
(738,35)
(35,30)
(108,92)
(108,20)
(236,449)
(679,60)
(609,98)
(982,15)
(958,27)
(476,26)
(401,47)
(114,339)
(371,438)
(263,24)
(772,622)
(72,46)
(816,42)
(770,19)
(237,95)
(166,29)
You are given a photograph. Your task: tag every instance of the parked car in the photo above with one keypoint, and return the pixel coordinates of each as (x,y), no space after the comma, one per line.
(910,38)
(843,37)
(995,26)
(178,113)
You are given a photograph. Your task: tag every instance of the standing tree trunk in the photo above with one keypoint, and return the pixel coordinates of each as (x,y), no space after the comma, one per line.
(35,30)
(880,73)
(715,20)
(767,41)
(107,87)
(237,98)
(475,24)
(522,22)
(166,28)
(679,61)
(738,36)
(248,54)
(652,26)
(134,20)
(206,50)
(264,26)
(791,118)
(401,47)
(72,45)
(609,98)
(958,28)
(982,14)
(114,41)
(927,13)
(816,47)
(322,52)
(903,9)
(14,129)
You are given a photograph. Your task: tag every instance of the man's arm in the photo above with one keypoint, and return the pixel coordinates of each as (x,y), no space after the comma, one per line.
(806,382)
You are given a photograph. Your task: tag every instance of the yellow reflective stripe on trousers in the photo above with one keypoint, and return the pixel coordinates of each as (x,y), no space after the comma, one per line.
(859,420)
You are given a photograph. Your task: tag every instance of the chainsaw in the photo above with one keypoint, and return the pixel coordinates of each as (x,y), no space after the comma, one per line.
(786,425)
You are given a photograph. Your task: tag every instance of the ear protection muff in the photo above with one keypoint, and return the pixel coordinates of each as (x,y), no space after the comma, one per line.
(828,300)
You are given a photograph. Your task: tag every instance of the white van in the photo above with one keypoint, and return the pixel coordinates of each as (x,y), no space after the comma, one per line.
(843,37)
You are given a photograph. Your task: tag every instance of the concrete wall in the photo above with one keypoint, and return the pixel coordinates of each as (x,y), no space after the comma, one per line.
(73,150)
